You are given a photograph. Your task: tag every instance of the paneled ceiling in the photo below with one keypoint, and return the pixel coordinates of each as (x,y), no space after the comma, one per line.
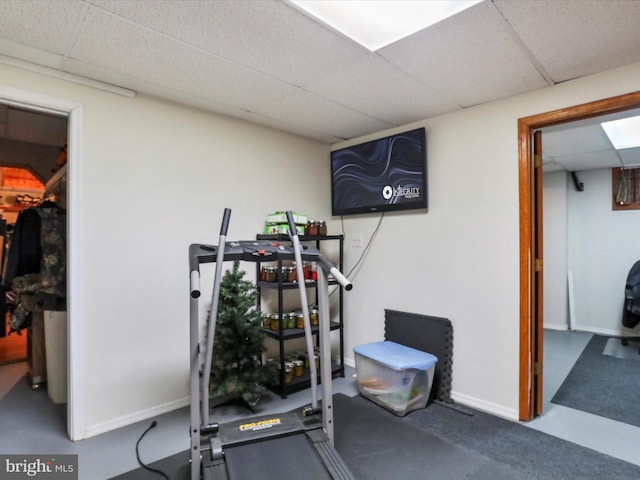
(583,145)
(268,62)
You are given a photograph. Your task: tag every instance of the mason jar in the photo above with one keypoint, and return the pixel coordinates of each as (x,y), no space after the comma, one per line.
(275,322)
(314,317)
(292,320)
(288,372)
(271,274)
(266,320)
(312,228)
(291,274)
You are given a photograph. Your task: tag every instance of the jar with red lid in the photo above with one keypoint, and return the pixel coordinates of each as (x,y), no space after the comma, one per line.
(306,271)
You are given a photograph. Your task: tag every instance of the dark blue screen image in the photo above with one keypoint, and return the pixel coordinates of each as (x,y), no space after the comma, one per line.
(384,174)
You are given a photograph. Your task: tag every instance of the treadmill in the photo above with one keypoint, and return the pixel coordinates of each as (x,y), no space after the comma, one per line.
(285,445)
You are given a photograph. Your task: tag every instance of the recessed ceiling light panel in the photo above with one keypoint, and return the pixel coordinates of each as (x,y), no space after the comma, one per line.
(375,24)
(623,133)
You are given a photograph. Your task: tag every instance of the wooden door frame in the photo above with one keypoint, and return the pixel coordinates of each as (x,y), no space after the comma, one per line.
(528,314)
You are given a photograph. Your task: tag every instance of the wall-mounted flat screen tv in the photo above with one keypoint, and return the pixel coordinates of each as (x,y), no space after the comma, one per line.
(386,174)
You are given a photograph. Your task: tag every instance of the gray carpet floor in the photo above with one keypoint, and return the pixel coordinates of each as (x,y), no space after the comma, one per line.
(441,443)
(378,445)
(533,455)
(603,384)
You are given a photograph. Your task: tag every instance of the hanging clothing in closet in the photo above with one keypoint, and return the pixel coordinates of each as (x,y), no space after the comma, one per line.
(36,270)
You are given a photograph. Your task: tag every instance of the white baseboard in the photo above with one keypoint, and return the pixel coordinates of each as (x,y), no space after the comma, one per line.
(556,326)
(132,418)
(584,328)
(598,331)
(488,407)
(472,402)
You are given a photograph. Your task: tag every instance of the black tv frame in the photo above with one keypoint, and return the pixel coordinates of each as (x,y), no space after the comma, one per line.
(406,167)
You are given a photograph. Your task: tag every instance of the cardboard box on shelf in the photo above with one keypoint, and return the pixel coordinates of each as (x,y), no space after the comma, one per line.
(272,229)
(281,217)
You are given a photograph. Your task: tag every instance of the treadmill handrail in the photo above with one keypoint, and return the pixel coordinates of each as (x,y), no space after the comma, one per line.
(254,251)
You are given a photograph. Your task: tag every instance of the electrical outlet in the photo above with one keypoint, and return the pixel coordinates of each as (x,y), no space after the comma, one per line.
(356,240)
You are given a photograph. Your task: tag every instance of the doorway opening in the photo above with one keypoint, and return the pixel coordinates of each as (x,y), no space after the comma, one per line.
(531,261)
(73,112)
(33,226)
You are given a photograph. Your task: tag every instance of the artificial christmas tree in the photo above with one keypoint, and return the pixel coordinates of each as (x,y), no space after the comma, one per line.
(237,368)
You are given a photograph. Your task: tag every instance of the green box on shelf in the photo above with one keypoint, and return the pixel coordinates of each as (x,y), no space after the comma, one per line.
(272,229)
(281,217)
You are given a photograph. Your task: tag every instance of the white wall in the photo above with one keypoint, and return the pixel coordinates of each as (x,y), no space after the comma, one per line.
(583,235)
(156,177)
(461,259)
(603,245)
(162,183)
(554,244)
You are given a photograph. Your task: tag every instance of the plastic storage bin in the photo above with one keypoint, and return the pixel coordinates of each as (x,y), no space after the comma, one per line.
(395,377)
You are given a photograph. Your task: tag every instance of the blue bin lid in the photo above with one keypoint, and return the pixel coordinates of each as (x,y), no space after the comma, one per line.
(396,356)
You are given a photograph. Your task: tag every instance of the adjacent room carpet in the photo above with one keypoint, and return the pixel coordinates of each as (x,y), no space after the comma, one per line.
(532,454)
(602,384)
(439,443)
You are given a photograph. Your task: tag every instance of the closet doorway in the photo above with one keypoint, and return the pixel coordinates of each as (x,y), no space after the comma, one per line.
(42,109)
(33,255)
(531,258)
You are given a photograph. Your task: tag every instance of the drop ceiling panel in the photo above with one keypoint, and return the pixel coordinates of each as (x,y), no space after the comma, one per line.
(549,166)
(573,38)
(269,36)
(593,120)
(29,54)
(189,99)
(313,112)
(50,24)
(289,126)
(140,53)
(471,58)
(630,156)
(375,87)
(261,60)
(590,138)
(588,161)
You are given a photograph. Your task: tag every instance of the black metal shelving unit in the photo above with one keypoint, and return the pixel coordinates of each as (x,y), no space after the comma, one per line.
(285,334)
